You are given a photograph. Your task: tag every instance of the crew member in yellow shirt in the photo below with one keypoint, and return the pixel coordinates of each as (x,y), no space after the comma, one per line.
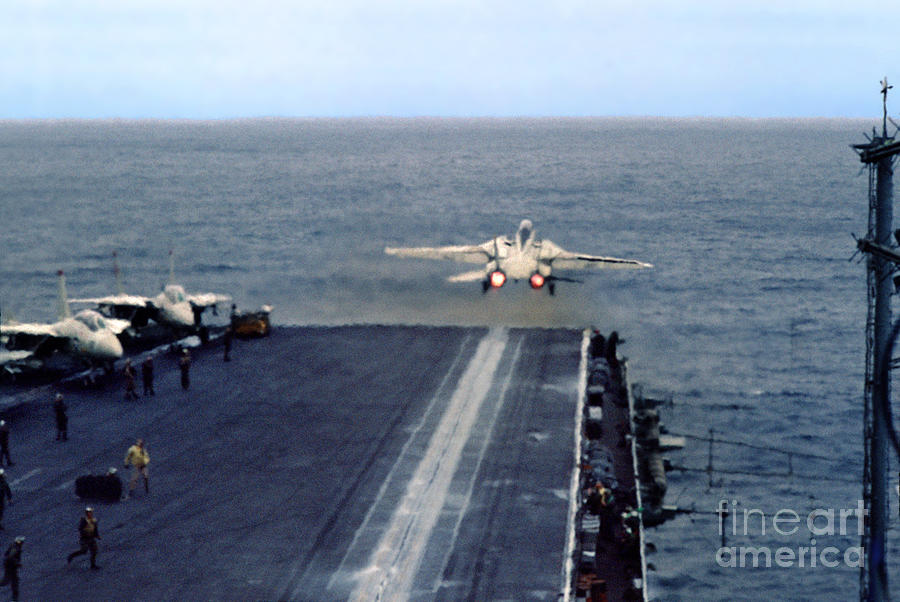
(138,457)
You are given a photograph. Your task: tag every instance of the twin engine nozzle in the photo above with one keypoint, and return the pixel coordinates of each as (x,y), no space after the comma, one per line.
(497,278)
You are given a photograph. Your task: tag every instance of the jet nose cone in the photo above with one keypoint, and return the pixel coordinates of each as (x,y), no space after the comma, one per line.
(111,347)
(183,314)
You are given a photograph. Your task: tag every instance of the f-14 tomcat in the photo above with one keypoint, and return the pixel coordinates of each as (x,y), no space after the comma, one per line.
(173,306)
(86,337)
(525,256)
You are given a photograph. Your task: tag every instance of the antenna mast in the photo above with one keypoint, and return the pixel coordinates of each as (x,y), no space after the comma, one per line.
(878,155)
(884,90)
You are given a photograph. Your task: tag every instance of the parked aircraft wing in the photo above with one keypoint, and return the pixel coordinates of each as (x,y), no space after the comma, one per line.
(463,253)
(122,300)
(117,326)
(13,356)
(207,299)
(29,329)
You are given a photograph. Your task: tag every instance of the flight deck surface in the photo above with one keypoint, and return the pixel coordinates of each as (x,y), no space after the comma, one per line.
(321,463)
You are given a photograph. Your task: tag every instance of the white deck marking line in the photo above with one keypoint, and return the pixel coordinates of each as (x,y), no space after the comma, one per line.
(396,558)
(25,476)
(569,566)
(401,457)
(464,508)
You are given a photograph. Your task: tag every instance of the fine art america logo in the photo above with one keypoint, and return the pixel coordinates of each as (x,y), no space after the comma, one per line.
(821,522)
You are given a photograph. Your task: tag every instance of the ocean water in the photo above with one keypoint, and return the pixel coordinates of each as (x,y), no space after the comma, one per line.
(752,319)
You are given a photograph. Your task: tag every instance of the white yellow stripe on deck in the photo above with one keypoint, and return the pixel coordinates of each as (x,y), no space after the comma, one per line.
(396,558)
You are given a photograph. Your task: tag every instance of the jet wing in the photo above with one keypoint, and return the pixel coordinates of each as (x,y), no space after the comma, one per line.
(38,339)
(462,253)
(473,276)
(29,329)
(559,258)
(207,299)
(117,326)
(118,300)
(13,356)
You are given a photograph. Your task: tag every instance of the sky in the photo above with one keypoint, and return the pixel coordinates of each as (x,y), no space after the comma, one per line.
(213,59)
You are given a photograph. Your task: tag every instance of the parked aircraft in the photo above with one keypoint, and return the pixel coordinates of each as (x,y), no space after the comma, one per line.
(521,257)
(87,337)
(173,306)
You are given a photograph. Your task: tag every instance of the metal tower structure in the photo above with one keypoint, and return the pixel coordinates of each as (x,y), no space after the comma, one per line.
(878,154)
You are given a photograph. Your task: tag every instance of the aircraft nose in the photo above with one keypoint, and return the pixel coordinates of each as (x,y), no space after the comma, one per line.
(184,314)
(112,347)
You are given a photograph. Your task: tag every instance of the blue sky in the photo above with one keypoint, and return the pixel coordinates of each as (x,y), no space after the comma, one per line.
(225,58)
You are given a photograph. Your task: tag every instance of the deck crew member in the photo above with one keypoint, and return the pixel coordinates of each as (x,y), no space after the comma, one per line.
(138,457)
(4,443)
(12,562)
(147,374)
(62,420)
(5,495)
(88,534)
(130,375)
(185,365)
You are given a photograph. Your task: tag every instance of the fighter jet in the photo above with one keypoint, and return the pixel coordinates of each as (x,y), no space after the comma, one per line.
(173,306)
(87,337)
(525,256)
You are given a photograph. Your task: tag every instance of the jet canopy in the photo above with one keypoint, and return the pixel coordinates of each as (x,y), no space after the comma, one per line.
(174,293)
(95,322)
(524,234)
(91,319)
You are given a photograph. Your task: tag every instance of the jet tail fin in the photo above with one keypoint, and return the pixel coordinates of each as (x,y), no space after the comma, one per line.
(118,274)
(62,307)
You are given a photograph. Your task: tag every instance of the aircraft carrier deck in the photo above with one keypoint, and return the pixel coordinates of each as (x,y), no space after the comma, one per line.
(321,463)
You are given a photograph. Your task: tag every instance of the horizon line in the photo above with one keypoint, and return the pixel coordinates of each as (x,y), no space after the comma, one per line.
(486,117)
